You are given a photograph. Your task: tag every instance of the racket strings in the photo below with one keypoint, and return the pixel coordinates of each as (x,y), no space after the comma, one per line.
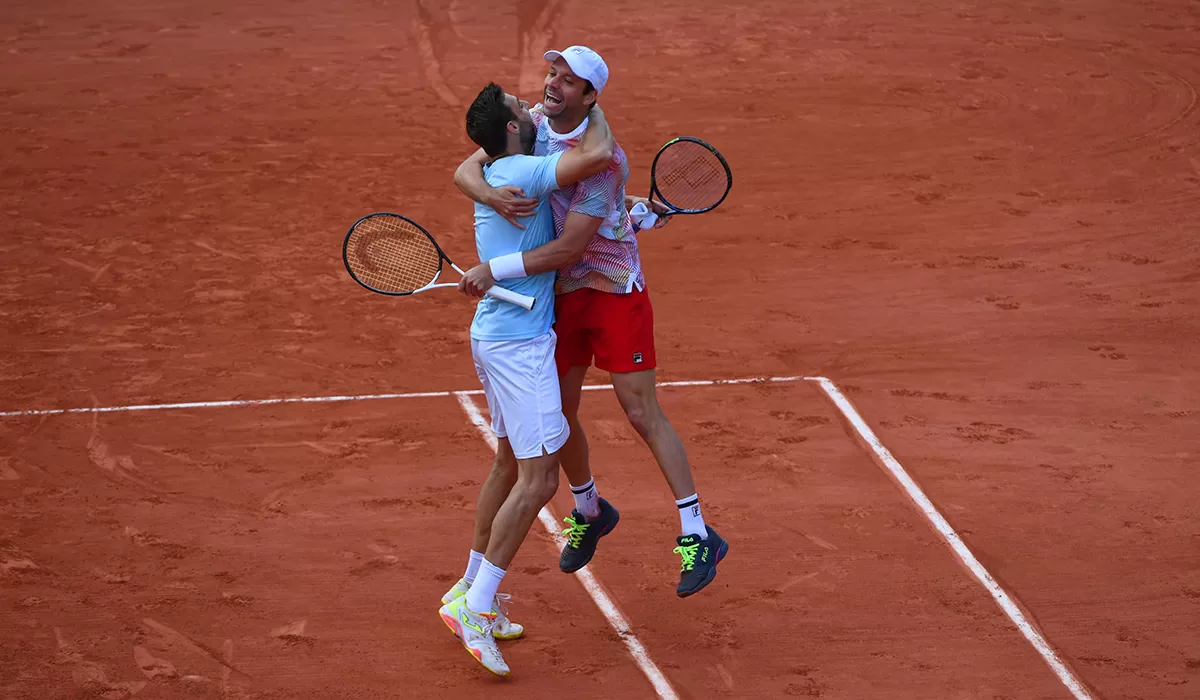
(690,177)
(392,255)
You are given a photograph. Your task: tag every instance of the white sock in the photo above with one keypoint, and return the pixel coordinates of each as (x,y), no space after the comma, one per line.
(587,501)
(483,590)
(690,519)
(473,566)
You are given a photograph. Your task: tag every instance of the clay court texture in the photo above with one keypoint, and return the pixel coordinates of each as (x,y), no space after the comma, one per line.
(974,222)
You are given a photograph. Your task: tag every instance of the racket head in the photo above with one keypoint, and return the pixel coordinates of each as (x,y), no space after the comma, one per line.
(690,176)
(391,254)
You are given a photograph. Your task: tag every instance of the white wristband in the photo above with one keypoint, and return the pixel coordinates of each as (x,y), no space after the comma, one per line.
(643,217)
(508,266)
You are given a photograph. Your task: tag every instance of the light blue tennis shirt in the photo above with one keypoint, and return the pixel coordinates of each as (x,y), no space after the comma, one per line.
(495,236)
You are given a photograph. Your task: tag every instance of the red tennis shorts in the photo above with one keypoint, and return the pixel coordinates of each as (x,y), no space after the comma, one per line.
(615,329)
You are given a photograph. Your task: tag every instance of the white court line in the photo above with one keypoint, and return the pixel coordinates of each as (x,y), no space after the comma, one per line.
(888,462)
(224,404)
(590,584)
(356,397)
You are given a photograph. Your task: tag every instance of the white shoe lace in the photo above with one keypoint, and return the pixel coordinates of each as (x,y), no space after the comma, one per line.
(501,599)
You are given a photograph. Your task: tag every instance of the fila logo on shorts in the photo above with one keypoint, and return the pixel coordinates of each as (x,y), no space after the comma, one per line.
(637,358)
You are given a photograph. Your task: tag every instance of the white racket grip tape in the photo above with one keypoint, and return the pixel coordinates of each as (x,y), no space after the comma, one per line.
(511,297)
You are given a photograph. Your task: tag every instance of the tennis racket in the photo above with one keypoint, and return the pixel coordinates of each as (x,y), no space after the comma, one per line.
(391,254)
(689,176)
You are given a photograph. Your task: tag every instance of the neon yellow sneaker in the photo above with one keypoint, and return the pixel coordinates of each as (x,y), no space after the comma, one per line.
(456,591)
(474,630)
(505,628)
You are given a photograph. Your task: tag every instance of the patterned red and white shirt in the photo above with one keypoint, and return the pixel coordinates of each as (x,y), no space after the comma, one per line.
(611,262)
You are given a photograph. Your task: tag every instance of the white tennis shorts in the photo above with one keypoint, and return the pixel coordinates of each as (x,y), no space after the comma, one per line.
(520,381)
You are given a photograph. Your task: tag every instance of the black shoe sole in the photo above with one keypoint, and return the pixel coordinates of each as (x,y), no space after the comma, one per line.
(612,527)
(712,572)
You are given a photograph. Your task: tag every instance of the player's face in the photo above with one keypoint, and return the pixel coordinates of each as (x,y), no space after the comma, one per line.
(526,131)
(564,91)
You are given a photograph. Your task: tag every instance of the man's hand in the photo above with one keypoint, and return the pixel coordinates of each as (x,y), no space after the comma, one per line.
(511,203)
(663,211)
(477,281)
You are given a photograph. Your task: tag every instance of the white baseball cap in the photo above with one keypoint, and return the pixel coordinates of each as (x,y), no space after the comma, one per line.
(585,63)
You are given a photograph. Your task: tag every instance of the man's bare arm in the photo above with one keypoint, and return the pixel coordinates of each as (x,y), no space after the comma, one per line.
(565,250)
(593,155)
(510,202)
(468,178)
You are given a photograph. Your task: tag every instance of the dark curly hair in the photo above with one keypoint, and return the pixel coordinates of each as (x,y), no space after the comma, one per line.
(488,118)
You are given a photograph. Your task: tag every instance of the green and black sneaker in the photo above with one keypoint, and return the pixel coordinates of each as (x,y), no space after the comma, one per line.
(700,557)
(583,535)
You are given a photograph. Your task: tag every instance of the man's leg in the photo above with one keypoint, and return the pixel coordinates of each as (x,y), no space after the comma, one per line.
(623,341)
(624,347)
(499,482)
(522,387)
(592,517)
(700,547)
(639,398)
(473,617)
(574,454)
(537,480)
(492,494)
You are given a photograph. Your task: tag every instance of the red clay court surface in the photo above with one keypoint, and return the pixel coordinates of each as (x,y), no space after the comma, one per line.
(978,219)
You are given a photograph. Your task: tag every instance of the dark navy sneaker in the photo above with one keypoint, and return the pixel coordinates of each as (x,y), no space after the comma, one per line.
(700,557)
(583,535)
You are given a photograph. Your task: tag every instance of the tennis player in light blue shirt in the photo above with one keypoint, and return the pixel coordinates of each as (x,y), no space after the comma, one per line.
(496,237)
(513,351)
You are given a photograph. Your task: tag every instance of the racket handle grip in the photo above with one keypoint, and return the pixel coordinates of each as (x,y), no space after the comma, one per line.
(511,297)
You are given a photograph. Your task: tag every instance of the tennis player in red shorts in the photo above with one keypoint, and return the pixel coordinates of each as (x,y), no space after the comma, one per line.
(603,313)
